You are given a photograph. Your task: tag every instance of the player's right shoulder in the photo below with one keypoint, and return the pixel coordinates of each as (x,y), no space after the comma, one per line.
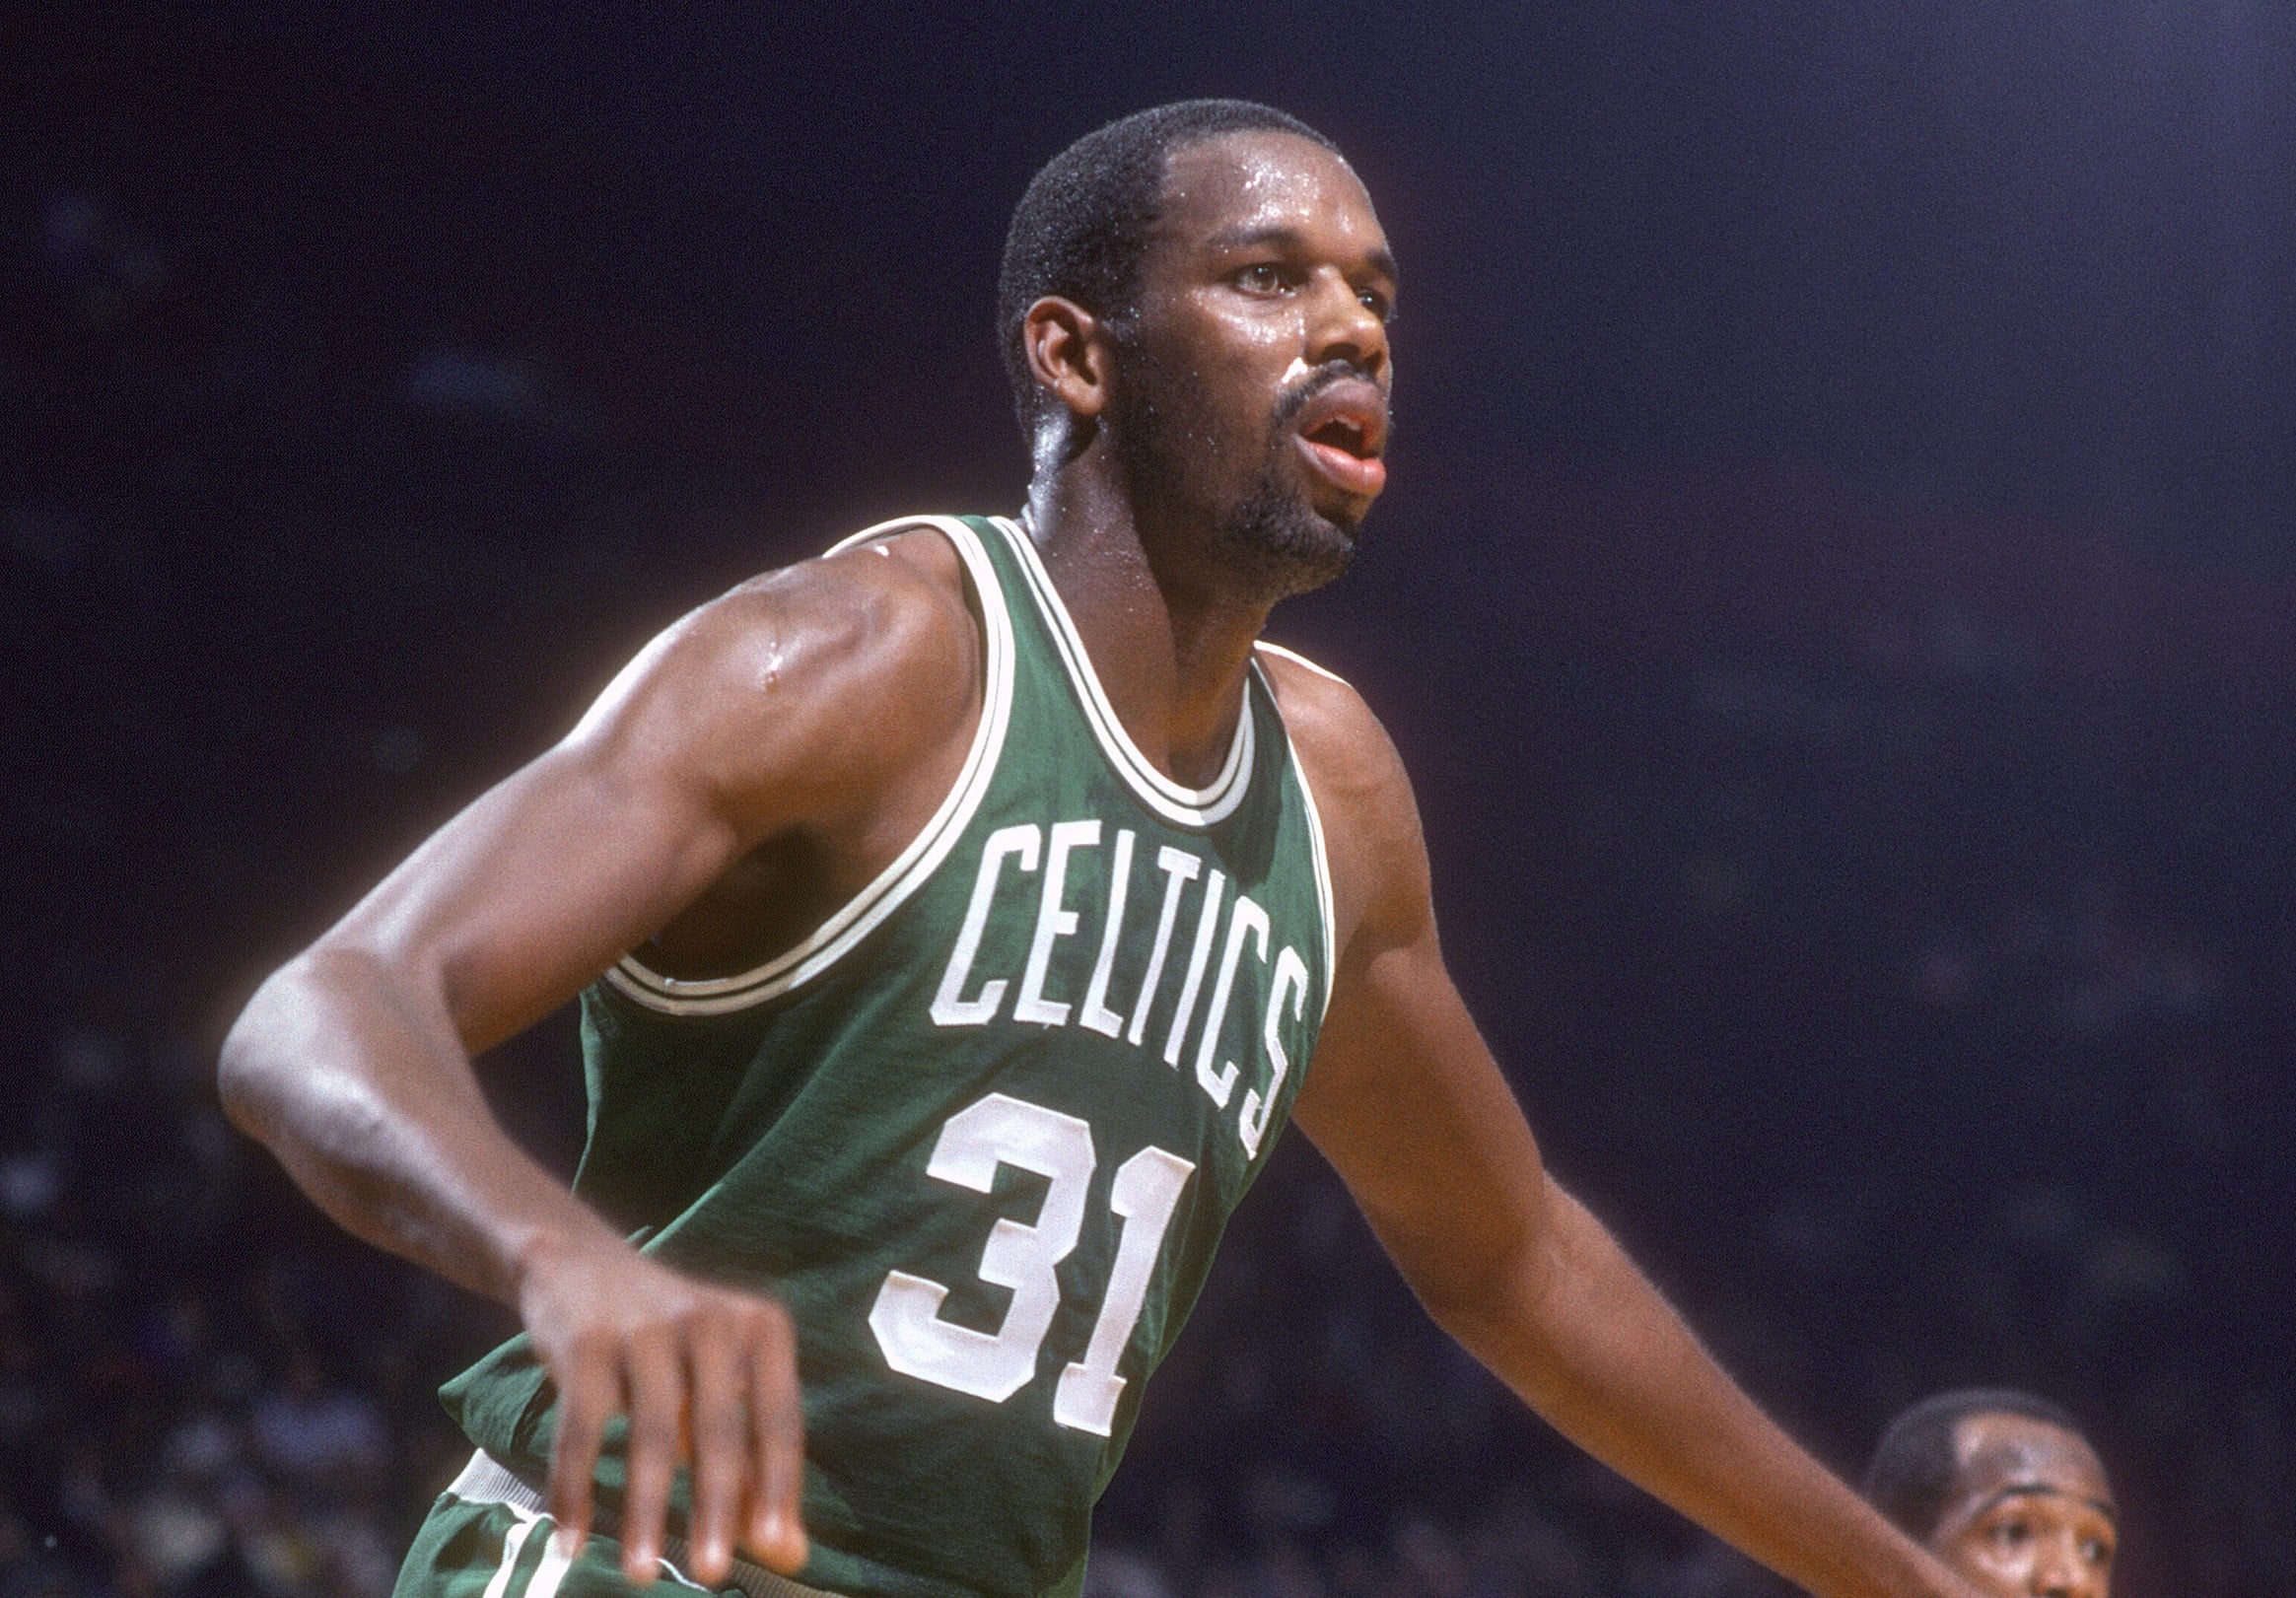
(822,674)
(891,613)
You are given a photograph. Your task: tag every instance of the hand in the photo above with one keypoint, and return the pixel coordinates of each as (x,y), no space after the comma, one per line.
(708,1377)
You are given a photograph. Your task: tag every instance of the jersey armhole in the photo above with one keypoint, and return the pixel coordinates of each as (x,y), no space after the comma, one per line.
(861,915)
(1322,859)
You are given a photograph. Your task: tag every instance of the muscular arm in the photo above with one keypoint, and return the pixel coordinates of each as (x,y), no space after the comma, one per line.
(353,1062)
(1409,1106)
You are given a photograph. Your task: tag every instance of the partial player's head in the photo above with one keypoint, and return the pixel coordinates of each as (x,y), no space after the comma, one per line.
(1203,290)
(2003,1488)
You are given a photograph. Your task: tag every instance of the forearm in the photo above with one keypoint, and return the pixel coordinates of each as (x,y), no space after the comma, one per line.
(356,1080)
(1584,1339)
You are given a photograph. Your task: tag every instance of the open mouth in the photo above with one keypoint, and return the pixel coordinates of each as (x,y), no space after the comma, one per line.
(1343,433)
(1342,430)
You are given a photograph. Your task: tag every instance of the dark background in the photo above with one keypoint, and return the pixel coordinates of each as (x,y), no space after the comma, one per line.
(1833,599)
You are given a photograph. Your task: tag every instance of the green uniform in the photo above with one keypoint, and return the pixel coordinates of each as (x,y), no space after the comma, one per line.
(980,1132)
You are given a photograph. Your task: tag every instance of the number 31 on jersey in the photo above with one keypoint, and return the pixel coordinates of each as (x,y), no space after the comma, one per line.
(1005,1131)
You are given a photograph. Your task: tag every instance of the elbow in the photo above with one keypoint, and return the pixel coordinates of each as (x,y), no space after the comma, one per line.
(299,1064)
(248,1068)
(272,1050)
(1472,1287)
(1480,1280)
(1475,1304)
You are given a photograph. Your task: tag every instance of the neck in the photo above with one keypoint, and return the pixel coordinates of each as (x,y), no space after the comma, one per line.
(1168,639)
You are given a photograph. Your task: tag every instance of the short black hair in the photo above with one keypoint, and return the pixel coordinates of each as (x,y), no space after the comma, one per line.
(1910,1477)
(1081,225)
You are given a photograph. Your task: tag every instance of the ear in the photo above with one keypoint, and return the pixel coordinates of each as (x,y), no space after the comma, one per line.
(1067,353)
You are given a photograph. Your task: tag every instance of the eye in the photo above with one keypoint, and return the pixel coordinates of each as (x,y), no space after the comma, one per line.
(1266,277)
(1376,303)
(2012,1534)
(2097,1550)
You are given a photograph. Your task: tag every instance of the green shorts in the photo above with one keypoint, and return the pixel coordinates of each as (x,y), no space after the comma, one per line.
(487,1538)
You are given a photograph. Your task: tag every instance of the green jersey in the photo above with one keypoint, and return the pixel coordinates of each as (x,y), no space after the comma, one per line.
(981,1131)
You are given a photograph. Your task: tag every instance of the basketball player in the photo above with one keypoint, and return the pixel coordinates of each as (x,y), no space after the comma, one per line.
(2003,1488)
(957,919)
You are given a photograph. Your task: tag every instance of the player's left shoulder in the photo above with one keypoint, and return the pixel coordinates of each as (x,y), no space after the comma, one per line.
(1362,794)
(1349,756)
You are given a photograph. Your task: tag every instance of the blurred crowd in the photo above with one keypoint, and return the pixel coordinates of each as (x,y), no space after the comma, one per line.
(1843,980)
(192,1401)
(203,1390)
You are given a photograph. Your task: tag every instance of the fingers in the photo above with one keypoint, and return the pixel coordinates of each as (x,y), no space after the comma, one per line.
(719,1447)
(708,1378)
(589,1390)
(656,1411)
(774,1534)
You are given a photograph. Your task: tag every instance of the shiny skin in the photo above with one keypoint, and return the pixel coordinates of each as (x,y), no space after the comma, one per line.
(1266,287)
(1268,266)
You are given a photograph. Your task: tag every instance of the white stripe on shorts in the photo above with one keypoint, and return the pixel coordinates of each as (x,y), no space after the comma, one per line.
(513,1546)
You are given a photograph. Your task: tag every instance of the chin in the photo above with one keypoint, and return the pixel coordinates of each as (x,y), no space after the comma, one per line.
(1282,545)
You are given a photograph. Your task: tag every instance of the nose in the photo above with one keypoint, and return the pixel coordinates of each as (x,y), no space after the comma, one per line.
(1341,327)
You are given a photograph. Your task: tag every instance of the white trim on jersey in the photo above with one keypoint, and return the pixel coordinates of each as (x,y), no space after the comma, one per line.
(1179,804)
(866,910)
(1298,658)
(1323,891)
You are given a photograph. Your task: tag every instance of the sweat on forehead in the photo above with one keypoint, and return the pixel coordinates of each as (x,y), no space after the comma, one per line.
(1245,172)
(1255,190)
(1081,225)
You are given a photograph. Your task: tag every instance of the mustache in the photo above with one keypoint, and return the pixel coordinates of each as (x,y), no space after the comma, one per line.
(1315,382)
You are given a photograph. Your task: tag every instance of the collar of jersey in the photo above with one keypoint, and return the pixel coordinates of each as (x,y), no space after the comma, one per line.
(1174,801)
